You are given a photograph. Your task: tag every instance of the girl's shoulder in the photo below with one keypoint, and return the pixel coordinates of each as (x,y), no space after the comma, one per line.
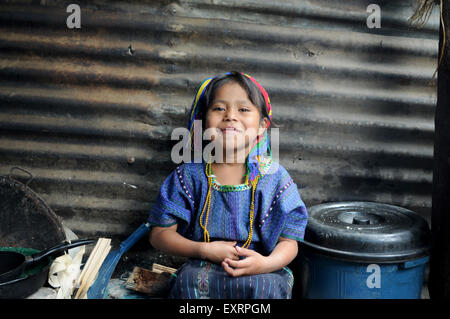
(187,178)
(271,167)
(275,174)
(191,167)
(190,171)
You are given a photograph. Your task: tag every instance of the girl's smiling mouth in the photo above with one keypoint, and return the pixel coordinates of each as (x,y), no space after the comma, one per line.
(230,130)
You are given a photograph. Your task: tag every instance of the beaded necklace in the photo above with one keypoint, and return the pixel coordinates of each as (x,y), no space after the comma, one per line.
(254,183)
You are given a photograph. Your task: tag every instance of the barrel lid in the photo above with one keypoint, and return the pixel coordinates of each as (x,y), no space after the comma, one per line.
(367,232)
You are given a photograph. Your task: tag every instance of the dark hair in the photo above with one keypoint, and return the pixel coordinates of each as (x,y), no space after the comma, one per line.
(253,92)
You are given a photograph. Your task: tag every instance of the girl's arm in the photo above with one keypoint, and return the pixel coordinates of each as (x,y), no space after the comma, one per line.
(285,252)
(167,239)
(255,263)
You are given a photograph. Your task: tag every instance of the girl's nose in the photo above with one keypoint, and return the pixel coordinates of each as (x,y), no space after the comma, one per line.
(230,114)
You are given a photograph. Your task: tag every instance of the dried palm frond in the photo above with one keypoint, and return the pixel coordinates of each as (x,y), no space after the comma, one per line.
(421,16)
(422,13)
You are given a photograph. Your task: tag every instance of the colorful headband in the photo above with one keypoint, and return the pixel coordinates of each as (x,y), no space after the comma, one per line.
(266,97)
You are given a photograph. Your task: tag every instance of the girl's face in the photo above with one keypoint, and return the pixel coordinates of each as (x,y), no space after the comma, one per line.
(235,120)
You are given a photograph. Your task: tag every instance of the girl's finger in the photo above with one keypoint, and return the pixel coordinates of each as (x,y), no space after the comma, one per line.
(232,272)
(238,263)
(231,253)
(232,263)
(244,251)
(235,257)
(227,268)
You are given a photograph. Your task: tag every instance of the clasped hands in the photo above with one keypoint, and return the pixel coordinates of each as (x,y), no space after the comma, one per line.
(227,253)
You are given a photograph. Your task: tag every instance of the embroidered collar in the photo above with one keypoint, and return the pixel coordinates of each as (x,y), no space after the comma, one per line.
(265,165)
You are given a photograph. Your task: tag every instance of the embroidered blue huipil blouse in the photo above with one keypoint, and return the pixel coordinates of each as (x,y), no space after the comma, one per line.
(279,210)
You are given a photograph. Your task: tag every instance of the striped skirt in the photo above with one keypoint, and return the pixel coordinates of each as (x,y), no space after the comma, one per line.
(197,279)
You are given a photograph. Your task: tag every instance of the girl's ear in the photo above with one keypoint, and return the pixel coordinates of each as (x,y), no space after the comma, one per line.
(263,125)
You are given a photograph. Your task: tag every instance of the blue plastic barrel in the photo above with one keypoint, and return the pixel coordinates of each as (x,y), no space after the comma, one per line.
(363,250)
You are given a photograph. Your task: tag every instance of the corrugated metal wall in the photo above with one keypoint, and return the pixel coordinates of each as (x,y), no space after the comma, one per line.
(90,111)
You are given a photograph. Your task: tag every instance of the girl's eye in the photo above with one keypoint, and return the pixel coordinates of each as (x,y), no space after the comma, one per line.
(244,109)
(217,108)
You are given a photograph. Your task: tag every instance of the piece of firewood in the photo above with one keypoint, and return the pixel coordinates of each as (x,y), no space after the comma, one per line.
(160,268)
(148,282)
(92,266)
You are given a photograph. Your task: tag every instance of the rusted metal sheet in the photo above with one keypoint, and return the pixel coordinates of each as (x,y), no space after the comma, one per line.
(90,111)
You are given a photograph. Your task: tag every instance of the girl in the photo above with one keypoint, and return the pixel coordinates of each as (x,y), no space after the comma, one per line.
(238,222)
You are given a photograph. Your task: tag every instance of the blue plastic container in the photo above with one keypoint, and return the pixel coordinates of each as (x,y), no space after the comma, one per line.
(363,250)
(324,277)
